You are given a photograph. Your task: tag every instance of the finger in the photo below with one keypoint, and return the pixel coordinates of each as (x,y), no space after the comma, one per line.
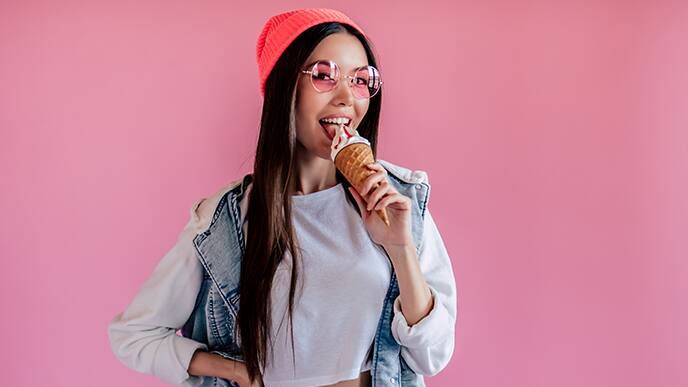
(376,166)
(391,199)
(371,181)
(357,197)
(378,193)
(359,202)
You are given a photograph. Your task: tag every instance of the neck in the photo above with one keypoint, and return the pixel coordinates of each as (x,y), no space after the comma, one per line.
(313,173)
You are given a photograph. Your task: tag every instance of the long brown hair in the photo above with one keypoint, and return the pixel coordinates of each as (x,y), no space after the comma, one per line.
(270,231)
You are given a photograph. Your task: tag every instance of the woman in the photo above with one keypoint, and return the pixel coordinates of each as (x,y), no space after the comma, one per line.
(365,303)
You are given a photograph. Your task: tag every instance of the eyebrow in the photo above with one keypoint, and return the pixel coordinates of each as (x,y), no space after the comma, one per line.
(318,60)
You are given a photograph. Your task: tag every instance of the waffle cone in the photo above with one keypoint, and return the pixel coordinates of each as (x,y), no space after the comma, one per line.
(351,161)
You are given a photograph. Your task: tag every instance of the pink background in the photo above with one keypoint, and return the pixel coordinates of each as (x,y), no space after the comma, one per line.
(553,132)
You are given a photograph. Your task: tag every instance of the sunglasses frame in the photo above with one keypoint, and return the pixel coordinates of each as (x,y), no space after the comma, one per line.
(350,77)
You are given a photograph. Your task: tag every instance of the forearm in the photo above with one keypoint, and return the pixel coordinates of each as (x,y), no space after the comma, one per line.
(211,364)
(414,293)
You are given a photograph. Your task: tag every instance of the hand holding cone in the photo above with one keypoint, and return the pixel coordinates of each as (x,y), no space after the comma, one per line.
(351,154)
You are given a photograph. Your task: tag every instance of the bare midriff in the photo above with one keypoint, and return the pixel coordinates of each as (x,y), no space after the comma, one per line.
(363,380)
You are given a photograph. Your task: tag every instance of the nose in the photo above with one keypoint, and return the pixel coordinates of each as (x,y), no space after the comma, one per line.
(344,92)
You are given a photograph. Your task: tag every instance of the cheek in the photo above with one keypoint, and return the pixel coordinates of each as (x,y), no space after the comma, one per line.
(306,120)
(361,108)
(308,107)
(303,109)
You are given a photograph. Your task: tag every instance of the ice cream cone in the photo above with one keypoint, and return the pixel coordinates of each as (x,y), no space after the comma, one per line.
(352,161)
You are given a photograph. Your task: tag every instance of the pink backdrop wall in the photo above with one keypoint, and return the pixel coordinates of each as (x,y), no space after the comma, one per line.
(553,132)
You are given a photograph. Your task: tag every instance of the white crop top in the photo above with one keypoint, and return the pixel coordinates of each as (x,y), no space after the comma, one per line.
(346,277)
(342,282)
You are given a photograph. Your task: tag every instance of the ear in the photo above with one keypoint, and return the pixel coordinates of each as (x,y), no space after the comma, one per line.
(361,204)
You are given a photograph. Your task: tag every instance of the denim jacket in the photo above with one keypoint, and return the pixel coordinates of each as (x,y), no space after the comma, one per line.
(219,246)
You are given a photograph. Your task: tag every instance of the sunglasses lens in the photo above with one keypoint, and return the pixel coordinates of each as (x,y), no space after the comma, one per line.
(366,82)
(325,75)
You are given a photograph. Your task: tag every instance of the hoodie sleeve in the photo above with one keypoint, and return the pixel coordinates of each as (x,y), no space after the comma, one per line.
(428,345)
(143,336)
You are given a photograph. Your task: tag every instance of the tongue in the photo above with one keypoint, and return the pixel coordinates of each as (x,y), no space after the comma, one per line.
(329,125)
(331,129)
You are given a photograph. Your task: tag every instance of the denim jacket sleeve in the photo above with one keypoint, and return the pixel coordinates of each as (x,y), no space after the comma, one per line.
(143,336)
(428,345)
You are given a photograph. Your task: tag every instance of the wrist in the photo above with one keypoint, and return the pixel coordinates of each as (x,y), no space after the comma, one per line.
(233,370)
(205,363)
(400,252)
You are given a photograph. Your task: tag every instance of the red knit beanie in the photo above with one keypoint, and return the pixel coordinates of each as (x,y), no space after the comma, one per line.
(280,30)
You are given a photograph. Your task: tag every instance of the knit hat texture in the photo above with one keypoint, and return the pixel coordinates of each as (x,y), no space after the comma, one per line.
(280,30)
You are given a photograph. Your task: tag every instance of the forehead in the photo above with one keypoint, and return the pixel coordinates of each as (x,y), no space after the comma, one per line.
(343,48)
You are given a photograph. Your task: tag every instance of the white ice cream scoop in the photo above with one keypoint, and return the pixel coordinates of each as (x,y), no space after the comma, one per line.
(343,137)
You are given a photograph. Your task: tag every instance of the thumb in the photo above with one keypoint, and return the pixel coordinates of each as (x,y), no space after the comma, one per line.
(359,202)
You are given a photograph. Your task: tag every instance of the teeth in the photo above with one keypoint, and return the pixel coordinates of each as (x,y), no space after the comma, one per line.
(338,120)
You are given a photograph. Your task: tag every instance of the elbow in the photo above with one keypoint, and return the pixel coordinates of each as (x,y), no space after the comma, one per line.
(115,335)
(438,365)
(434,359)
(123,345)
(118,340)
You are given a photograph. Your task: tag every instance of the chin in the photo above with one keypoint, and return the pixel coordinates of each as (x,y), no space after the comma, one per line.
(322,151)
(326,156)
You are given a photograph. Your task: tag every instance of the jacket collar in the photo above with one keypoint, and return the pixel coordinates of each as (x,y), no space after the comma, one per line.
(221,246)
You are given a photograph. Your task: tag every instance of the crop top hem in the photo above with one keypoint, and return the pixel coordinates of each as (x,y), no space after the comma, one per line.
(318,380)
